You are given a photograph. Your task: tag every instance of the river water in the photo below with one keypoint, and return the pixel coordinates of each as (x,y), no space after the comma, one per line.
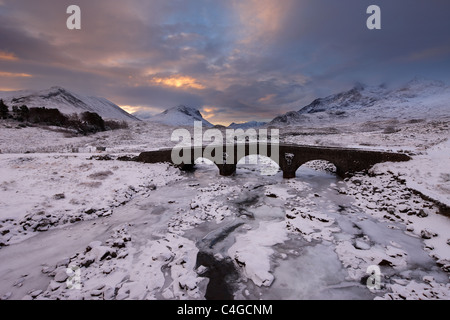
(254,251)
(302,269)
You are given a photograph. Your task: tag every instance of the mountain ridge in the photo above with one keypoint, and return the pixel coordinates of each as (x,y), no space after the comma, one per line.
(416,98)
(66,102)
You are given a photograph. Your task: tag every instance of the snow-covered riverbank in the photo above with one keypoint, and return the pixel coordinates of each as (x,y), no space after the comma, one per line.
(141,231)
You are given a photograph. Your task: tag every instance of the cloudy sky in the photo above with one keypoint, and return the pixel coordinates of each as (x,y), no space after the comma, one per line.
(235,60)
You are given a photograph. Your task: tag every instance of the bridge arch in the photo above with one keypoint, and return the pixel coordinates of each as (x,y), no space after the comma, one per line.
(204,161)
(266,165)
(320,165)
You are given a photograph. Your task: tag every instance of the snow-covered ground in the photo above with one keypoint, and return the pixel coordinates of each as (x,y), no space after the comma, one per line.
(126,230)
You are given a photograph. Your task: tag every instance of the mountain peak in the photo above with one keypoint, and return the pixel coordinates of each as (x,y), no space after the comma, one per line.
(414,99)
(67,102)
(246,125)
(180,116)
(359,86)
(57,88)
(421,83)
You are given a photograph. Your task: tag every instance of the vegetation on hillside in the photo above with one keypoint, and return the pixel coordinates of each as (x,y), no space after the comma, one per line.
(84,123)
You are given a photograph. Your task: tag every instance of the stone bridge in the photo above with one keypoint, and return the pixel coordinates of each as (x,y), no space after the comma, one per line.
(288,157)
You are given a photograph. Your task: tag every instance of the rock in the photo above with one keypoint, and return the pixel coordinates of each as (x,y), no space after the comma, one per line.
(96,293)
(92,245)
(187,283)
(107,269)
(428,279)
(35,293)
(54,285)
(201,270)
(27,297)
(123,294)
(119,243)
(61,275)
(403,208)
(59,196)
(87,260)
(47,269)
(90,211)
(6,296)
(63,263)
(194,205)
(42,225)
(108,293)
(426,234)
(106,213)
(410,228)
(19,282)
(446,267)
(218,256)
(390,210)
(385,263)
(101,252)
(448,242)
(422,213)
(361,245)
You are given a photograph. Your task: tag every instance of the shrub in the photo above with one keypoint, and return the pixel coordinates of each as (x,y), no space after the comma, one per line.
(48,116)
(4,110)
(93,122)
(390,129)
(21,113)
(115,125)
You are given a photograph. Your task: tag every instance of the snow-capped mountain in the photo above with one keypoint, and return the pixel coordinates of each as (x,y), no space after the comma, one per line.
(246,125)
(66,102)
(180,116)
(416,99)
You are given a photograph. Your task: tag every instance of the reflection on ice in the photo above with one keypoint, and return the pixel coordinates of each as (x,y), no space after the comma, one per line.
(332,243)
(316,273)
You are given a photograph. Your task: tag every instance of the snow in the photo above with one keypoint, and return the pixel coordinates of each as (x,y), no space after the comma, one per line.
(180,116)
(253,251)
(135,230)
(417,99)
(66,102)
(246,125)
(428,173)
(74,189)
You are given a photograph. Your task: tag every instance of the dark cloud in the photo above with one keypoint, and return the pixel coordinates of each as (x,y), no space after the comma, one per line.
(241,60)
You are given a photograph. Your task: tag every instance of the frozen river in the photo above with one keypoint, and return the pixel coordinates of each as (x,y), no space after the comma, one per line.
(249,236)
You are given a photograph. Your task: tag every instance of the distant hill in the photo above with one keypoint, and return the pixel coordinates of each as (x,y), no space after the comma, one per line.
(66,102)
(180,116)
(246,125)
(418,98)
